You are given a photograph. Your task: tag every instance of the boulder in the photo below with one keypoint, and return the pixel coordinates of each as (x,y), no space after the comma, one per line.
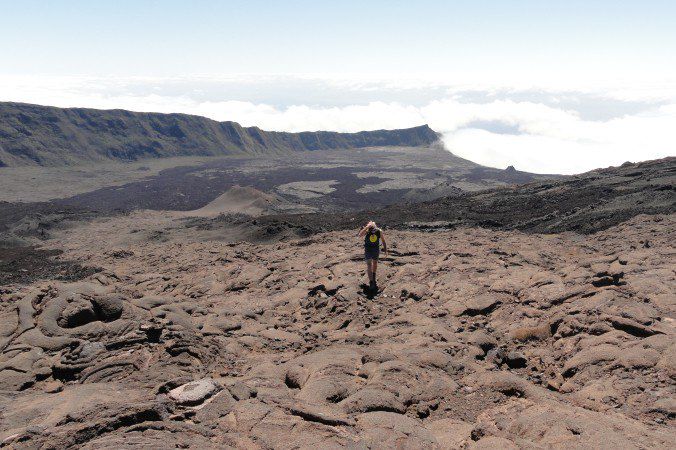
(195,392)
(413,291)
(590,356)
(371,399)
(515,360)
(241,391)
(77,314)
(108,308)
(531,333)
(483,340)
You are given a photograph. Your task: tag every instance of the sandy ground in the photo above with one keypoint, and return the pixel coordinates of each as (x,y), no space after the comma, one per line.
(36,184)
(479,339)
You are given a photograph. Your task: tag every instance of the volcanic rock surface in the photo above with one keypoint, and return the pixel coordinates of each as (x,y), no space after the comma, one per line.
(584,203)
(36,200)
(177,329)
(479,339)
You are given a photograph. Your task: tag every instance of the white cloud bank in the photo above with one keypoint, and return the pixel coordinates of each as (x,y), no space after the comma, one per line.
(537,130)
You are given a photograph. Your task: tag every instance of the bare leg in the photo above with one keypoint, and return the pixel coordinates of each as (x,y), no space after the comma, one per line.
(373,269)
(369,272)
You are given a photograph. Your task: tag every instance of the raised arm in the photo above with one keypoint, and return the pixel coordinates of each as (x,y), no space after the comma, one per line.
(364,230)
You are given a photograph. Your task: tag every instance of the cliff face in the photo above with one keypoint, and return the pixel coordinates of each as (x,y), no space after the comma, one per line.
(49,136)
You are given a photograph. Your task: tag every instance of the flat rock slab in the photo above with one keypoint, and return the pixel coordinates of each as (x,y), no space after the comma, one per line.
(195,392)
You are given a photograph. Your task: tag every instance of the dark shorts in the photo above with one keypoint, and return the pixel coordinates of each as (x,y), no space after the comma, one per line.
(371,253)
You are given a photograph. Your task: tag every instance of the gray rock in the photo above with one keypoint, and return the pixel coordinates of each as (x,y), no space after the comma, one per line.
(495,355)
(241,391)
(194,393)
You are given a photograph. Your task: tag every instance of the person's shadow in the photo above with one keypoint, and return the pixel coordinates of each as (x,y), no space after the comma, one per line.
(367,291)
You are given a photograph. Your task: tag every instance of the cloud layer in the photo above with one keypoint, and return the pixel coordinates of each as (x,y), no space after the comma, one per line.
(545,130)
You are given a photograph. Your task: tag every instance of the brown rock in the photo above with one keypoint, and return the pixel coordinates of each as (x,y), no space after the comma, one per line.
(370,399)
(53,387)
(479,305)
(528,333)
(493,443)
(195,392)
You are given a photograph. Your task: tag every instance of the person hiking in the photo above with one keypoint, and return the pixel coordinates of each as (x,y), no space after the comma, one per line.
(372,237)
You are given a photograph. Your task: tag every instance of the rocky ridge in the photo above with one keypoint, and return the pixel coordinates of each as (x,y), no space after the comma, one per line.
(50,136)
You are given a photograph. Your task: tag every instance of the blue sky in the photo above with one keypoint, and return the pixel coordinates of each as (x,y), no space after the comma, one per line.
(545,86)
(168,38)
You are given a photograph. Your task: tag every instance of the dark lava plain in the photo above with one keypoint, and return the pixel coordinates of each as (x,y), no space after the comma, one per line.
(359,174)
(25,264)
(584,203)
(408,172)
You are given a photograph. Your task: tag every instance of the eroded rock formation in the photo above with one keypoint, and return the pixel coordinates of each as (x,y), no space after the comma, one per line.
(479,339)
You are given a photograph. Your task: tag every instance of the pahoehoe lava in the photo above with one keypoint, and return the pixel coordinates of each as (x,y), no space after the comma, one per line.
(538,315)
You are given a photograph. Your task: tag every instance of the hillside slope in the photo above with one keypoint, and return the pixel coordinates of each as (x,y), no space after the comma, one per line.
(584,203)
(510,339)
(50,136)
(176,332)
